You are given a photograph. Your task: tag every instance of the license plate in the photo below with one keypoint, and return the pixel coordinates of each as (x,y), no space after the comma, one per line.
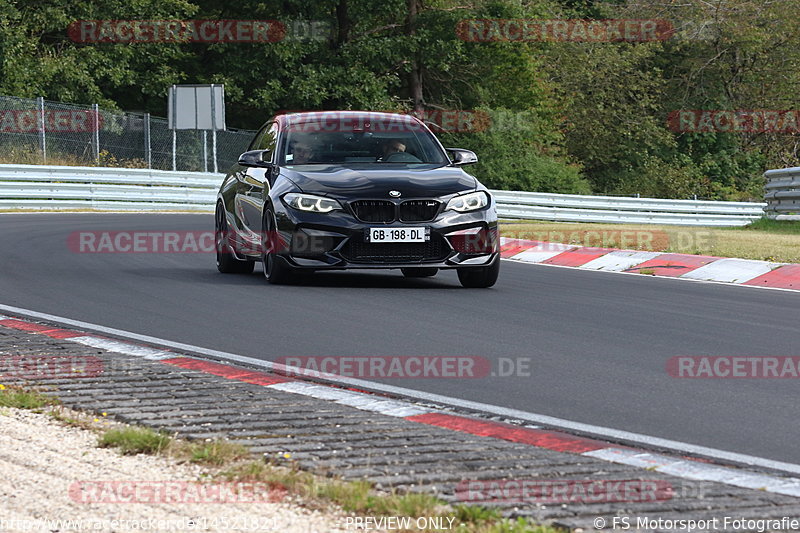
(396,234)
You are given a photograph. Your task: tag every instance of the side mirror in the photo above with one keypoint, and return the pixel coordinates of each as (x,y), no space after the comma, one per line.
(459,156)
(256,158)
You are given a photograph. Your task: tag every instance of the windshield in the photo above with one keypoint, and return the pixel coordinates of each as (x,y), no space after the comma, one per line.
(312,142)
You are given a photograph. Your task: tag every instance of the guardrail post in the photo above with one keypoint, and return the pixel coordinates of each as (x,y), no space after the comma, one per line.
(96,109)
(42,137)
(147,149)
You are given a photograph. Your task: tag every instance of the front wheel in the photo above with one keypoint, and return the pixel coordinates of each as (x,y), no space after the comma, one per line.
(276,269)
(481,277)
(226,261)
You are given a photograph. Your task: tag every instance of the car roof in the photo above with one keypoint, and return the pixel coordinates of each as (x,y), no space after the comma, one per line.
(286,119)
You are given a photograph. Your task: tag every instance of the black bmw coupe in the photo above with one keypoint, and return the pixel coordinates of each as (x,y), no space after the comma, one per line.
(355,190)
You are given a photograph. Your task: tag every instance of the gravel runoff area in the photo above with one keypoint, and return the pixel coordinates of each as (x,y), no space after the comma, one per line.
(41,460)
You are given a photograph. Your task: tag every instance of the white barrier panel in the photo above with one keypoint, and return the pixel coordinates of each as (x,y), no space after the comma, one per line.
(41,188)
(38,187)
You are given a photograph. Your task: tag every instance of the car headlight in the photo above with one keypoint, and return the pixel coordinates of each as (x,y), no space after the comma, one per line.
(468,202)
(309,202)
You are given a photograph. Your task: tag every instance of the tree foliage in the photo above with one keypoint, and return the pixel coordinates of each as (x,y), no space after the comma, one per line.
(566,116)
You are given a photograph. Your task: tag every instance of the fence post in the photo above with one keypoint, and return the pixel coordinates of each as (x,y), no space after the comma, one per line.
(205,151)
(96,109)
(213,128)
(174,143)
(147,150)
(42,138)
(214,149)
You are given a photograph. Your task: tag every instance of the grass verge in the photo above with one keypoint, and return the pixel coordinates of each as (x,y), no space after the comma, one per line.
(765,239)
(130,440)
(22,398)
(231,462)
(133,440)
(314,491)
(362,499)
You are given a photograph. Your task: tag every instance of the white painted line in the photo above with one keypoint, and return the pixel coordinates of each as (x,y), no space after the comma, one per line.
(542,252)
(123,347)
(619,260)
(699,471)
(729,476)
(791,488)
(599,431)
(365,402)
(310,389)
(4,317)
(731,270)
(632,457)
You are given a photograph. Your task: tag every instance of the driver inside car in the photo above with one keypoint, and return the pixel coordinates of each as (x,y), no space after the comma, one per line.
(391,147)
(301,153)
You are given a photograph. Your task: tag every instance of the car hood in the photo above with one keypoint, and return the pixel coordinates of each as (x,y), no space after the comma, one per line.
(350,183)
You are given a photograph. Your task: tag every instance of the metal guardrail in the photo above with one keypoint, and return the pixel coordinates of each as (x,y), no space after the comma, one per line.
(616,210)
(782,193)
(35,187)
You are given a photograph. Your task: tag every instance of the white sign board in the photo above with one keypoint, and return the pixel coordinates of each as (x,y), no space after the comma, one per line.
(197,107)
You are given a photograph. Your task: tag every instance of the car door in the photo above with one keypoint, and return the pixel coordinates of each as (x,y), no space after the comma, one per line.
(253,187)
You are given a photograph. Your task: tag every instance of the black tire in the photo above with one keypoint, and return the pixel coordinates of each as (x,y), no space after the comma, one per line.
(481,277)
(227,263)
(276,269)
(419,272)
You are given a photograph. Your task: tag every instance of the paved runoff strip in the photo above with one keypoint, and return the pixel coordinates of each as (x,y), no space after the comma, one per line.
(394,442)
(682,266)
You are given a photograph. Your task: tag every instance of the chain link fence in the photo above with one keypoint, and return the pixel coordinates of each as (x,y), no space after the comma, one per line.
(37,131)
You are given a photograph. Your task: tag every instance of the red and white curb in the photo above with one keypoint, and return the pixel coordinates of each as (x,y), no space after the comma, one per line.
(684,266)
(682,467)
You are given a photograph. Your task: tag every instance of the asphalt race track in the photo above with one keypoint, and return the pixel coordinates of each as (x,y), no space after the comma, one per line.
(598,342)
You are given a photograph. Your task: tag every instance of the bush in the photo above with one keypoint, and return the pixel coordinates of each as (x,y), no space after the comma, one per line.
(518,155)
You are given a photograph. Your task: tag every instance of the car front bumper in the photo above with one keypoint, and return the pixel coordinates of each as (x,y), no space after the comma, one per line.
(337,240)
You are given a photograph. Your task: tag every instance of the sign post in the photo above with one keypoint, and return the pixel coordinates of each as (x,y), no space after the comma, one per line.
(197,107)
